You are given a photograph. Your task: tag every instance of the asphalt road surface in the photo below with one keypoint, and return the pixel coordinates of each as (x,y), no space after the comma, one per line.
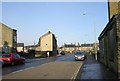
(61,67)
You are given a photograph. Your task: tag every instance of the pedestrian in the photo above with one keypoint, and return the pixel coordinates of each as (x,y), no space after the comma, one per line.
(47,54)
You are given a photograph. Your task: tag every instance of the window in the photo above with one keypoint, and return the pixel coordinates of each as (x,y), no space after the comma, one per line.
(15,39)
(16,56)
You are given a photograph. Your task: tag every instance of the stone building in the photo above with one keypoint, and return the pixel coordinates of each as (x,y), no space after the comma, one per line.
(109,41)
(48,43)
(8,39)
(88,47)
(113,8)
(71,48)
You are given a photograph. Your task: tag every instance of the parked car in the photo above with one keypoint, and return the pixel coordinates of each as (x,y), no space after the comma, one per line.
(79,56)
(62,53)
(11,59)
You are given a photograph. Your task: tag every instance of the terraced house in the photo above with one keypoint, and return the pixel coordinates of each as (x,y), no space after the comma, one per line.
(72,48)
(8,38)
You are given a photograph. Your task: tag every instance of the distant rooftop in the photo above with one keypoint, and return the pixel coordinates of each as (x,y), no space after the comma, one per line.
(86,45)
(20,44)
(82,45)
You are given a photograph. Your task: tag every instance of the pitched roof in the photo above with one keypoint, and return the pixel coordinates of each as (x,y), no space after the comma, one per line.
(108,26)
(46,34)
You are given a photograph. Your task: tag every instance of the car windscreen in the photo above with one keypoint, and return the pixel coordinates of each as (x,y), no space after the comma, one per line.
(5,55)
(79,54)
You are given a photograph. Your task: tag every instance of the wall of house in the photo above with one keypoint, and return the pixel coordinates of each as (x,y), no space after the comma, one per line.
(54,45)
(111,48)
(109,44)
(113,8)
(87,49)
(118,44)
(69,49)
(7,36)
(14,38)
(46,43)
(0,37)
(73,49)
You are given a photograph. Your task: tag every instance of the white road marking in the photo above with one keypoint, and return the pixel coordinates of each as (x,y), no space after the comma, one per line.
(17,71)
(75,74)
(23,70)
(29,68)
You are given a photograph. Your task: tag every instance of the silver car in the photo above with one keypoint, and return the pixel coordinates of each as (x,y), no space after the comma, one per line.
(79,56)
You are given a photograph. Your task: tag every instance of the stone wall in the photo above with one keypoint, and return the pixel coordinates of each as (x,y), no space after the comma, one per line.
(113,8)
(109,41)
(0,37)
(46,43)
(118,43)
(7,36)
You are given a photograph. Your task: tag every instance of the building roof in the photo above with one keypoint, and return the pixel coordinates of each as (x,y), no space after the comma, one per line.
(108,26)
(86,45)
(49,32)
(5,25)
(82,45)
(30,46)
(20,44)
(1,25)
(69,45)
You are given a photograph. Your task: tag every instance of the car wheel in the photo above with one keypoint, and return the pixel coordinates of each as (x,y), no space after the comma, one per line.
(12,63)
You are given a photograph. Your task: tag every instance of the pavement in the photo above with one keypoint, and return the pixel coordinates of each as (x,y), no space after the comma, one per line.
(93,69)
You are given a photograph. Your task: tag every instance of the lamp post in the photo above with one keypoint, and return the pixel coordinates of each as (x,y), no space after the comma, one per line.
(94,26)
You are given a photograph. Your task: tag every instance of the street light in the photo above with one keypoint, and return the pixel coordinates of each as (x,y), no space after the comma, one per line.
(95,49)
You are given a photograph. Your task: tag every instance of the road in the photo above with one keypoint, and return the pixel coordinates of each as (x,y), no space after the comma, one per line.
(61,67)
